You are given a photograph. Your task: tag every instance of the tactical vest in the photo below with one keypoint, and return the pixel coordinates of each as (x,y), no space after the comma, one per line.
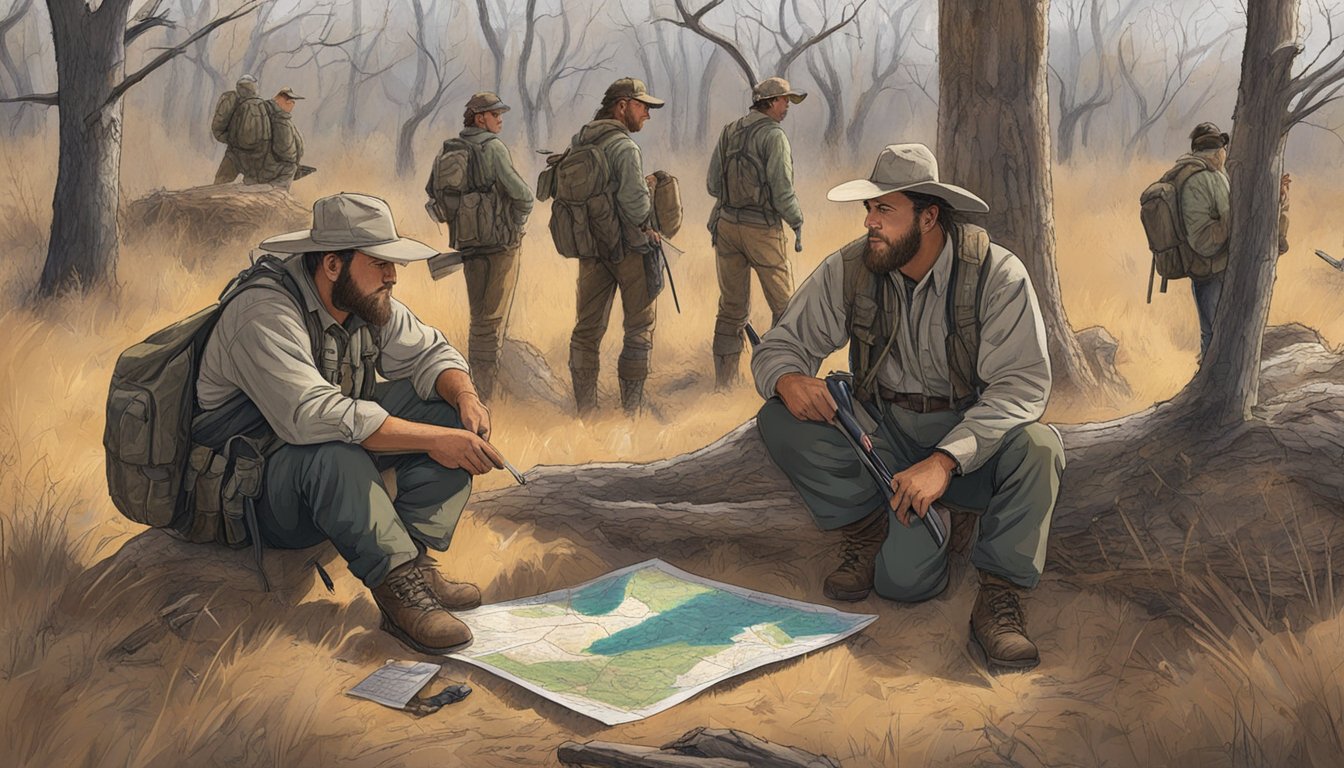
(744,184)
(872,318)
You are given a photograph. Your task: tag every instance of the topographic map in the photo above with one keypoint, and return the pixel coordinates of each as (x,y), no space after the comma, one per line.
(636,641)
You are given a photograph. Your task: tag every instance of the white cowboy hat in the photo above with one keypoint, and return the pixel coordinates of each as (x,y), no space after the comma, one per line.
(352,222)
(906,168)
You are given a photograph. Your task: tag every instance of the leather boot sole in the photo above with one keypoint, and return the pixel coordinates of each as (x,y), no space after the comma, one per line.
(847,597)
(1002,665)
(392,629)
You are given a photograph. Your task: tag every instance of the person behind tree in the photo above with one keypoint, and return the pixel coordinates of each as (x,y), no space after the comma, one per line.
(948,352)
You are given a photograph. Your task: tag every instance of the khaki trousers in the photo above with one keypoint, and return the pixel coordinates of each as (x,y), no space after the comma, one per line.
(229,168)
(492,280)
(742,248)
(1014,491)
(599,280)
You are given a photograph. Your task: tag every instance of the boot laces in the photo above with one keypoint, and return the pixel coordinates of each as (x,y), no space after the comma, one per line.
(1006,610)
(412,590)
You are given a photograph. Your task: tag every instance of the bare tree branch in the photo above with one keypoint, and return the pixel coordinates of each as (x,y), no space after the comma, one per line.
(145,19)
(46,99)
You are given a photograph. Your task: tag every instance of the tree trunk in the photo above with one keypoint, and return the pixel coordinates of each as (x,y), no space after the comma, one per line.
(706,86)
(994,139)
(90,61)
(823,71)
(1224,390)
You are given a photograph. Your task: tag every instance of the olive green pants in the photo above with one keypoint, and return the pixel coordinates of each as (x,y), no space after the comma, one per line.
(599,280)
(229,168)
(1014,492)
(742,249)
(492,280)
(335,491)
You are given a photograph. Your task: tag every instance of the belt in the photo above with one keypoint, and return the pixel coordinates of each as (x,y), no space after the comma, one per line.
(915,401)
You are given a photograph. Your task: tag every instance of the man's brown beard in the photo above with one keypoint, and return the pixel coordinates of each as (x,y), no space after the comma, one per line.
(892,256)
(375,307)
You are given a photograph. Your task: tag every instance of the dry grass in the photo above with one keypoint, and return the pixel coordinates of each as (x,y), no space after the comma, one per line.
(1118,688)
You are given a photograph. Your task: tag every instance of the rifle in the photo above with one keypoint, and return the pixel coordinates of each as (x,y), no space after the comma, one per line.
(667,268)
(304,170)
(1336,263)
(838,385)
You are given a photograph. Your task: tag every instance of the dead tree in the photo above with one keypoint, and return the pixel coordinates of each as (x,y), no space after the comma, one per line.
(496,37)
(424,100)
(90,50)
(1077,66)
(570,59)
(15,75)
(1183,45)
(1270,101)
(994,139)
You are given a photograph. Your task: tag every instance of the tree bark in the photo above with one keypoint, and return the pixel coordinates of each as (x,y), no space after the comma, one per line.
(90,60)
(1224,389)
(994,139)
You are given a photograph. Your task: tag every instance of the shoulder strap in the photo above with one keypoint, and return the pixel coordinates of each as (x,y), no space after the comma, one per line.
(966,285)
(270,272)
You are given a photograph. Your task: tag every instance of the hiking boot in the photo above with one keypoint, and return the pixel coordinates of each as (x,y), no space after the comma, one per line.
(453,595)
(412,614)
(725,371)
(853,580)
(585,389)
(632,396)
(999,628)
(483,376)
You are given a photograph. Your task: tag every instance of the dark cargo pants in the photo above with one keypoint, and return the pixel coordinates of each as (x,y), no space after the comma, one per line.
(1014,491)
(334,491)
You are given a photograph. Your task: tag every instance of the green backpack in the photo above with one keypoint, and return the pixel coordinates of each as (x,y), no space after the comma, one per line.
(583,216)
(744,179)
(464,200)
(250,125)
(151,464)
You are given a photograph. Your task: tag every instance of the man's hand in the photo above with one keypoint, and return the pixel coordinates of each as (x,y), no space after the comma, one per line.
(461,449)
(475,416)
(798,239)
(806,397)
(921,485)
(654,237)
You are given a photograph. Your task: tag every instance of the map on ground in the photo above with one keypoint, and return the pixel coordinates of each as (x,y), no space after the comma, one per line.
(637,641)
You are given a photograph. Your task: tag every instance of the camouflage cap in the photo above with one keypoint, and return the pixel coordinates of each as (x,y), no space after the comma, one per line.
(485,101)
(289,93)
(1207,136)
(631,88)
(773,87)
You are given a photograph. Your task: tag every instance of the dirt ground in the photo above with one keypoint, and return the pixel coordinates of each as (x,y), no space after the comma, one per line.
(1117,687)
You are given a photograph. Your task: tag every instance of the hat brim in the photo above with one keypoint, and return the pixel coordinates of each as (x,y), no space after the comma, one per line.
(864,189)
(400,251)
(500,107)
(650,100)
(795,96)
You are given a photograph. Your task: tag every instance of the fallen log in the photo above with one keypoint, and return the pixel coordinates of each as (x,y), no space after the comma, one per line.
(700,748)
(214,215)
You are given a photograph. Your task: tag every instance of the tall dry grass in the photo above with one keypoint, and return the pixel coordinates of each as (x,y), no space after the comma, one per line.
(1120,687)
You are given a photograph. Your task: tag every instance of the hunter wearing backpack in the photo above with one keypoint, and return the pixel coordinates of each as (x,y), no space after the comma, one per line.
(948,354)
(751,180)
(263,419)
(474,189)
(1185,216)
(276,160)
(245,91)
(602,215)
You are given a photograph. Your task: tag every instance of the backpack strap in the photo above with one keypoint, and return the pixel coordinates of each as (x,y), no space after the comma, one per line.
(966,286)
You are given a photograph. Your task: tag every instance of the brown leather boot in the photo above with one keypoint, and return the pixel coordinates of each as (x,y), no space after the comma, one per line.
(725,371)
(999,627)
(483,376)
(632,396)
(412,614)
(853,580)
(453,595)
(585,389)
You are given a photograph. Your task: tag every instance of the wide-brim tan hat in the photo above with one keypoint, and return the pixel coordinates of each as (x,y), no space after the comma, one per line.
(351,221)
(906,168)
(773,87)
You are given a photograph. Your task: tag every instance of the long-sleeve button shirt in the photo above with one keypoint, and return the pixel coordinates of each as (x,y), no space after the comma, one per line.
(771,146)
(1205,200)
(261,347)
(634,206)
(1012,360)
(497,170)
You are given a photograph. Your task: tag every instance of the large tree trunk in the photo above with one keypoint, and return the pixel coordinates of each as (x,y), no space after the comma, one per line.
(1224,390)
(90,61)
(706,88)
(994,139)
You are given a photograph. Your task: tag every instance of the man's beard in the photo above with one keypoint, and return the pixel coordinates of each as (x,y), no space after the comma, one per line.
(374,308)
(889,257)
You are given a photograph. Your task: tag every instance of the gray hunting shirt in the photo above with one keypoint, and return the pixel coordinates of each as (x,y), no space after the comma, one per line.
(261,347)
(772,146)
(1013,361)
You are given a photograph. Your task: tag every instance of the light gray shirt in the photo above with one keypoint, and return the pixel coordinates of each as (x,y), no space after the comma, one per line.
(1012,362)
(260,347)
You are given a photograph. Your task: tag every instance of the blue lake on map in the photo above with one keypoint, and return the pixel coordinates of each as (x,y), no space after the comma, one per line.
(710,618)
